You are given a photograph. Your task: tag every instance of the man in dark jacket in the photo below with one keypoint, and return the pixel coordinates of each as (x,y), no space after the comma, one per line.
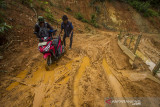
(42,28)
(68,30)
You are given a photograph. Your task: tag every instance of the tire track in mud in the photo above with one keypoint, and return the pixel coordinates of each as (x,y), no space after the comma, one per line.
(116,85)
(20,76)
(113,81)
(42,83)
(78,76)
(62,74)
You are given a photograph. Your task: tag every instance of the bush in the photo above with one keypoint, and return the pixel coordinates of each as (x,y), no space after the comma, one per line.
(42,4)
(50,3)
(49,15)
(143,7)
(92,2)
(93,20)
(85,20)
(42,7)
(151,12)
(97,8)
(26,2)
(80,17)
(140,6)
(4,27)
(48,10)
(3,4)
(68,9)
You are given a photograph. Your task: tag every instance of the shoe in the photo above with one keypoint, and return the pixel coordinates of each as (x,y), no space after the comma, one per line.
(70,48)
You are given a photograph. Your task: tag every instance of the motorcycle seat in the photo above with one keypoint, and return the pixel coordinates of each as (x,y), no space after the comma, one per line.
(55,42)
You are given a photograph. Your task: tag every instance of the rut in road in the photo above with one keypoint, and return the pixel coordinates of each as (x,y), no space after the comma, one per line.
(84,76)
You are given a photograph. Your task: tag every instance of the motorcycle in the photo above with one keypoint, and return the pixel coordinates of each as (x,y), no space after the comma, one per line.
(51,48)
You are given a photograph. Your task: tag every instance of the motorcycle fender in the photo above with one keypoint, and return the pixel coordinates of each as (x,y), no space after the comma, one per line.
(46,55)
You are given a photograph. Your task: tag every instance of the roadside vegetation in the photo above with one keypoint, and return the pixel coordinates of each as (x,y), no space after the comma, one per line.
(49,15)
(148,8)
(92,21)
(3,25)
(93,17)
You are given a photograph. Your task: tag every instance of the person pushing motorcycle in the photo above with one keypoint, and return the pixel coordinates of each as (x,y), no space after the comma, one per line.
(42,28)
(50,47)
(68,30)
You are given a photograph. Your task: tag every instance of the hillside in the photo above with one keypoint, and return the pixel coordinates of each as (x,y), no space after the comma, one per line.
(96,68)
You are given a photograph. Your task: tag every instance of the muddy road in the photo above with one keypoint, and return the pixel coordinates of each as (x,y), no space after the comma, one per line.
(94,69)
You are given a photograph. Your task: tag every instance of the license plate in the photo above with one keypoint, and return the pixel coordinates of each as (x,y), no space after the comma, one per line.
(42,44)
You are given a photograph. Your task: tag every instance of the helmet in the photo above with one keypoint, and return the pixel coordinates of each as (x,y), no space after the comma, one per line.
(40,19)
(64,18)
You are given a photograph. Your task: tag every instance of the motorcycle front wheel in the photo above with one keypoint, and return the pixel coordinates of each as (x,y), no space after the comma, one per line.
(49,60)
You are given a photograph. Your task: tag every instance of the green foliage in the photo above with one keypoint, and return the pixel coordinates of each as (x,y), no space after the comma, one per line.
(48,10)
(97,8)
(92,2)
(144,6)
(42,7)
(43,4)
(140,6)
(3,4)
(93,18)
(80,17)
(155,3)
(49,15)
(151,13)
(93,21)
(68,9)
(2,15)
(26,2)
(50,3)
(85,20)
(4,27)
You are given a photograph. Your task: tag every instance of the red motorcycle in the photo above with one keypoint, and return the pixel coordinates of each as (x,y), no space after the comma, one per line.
(51,48)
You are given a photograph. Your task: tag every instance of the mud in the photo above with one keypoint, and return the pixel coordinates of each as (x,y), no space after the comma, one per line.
(94,69)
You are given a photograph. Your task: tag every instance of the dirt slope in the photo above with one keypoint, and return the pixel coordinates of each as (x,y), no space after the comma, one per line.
(112,15)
